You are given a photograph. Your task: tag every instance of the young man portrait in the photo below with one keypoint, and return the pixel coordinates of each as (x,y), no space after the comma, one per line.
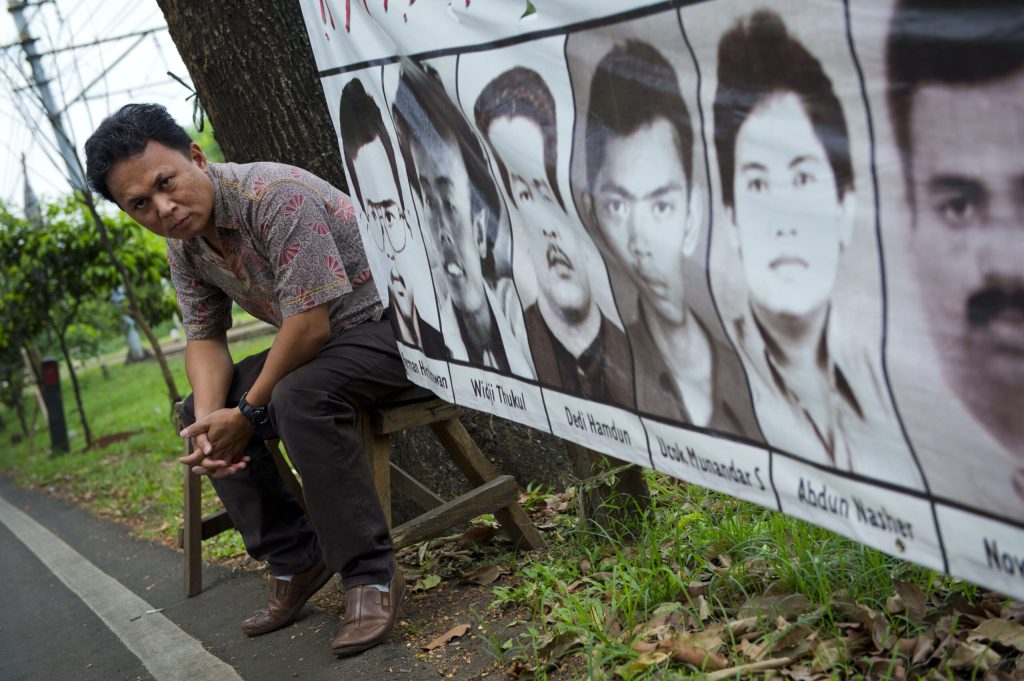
(651,223)
(787,184)
(480,317)
(282,244)
(576,347)
(956,102)
(372,164)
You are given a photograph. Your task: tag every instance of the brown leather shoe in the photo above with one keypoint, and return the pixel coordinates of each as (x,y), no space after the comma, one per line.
(369,616)
(286,600)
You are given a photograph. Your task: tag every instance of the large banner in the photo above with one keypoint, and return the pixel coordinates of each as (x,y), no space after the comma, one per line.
(772,248)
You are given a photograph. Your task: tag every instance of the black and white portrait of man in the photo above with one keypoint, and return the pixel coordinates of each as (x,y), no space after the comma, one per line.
(784,151)
(576,347)
(371,161)
(480,314)
(955,95)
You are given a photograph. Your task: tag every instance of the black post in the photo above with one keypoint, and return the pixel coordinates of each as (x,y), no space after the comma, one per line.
(54,406)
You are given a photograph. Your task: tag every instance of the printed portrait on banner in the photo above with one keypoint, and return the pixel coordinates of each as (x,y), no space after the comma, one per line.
(463,219)
(950,103)
(384,201)
(795,263)
(525,120)
(640,176)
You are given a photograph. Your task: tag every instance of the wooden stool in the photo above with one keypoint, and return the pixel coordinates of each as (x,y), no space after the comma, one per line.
(491,493)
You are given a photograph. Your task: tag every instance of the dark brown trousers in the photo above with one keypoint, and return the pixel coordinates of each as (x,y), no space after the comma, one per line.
(313,412)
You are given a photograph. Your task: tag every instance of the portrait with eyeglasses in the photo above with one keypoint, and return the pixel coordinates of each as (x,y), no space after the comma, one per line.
(372,166)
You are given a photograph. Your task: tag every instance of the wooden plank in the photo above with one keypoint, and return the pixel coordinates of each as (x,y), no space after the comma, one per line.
(393,419)
(415,490)
(377,451)
(192,530)
(495,494)
(467,456)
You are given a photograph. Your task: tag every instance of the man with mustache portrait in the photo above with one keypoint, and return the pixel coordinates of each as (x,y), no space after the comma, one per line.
(956,99)
(788,185)
(371,163)
(576,347)
(480,316)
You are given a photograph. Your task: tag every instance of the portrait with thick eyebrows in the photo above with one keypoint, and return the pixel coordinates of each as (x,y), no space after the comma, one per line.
(644,207)
(956,105)
(577,348)
(783,149)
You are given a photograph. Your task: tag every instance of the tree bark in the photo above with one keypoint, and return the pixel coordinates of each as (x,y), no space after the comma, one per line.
(75,387)
(256,78)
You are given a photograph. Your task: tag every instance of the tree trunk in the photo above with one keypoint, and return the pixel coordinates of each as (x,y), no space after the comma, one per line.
(33,360)
(256,77)
(75,387)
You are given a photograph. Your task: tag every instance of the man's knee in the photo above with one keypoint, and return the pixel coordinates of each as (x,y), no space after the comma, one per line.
(293,399)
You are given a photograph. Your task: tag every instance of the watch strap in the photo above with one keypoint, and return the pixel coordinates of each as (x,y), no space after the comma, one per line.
(255,415)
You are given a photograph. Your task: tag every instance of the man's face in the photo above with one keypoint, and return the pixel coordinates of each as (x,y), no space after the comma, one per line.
(165,191)
(789,223)
(552,242)
(649,219)
(967,177)
(386,220)
(458,235)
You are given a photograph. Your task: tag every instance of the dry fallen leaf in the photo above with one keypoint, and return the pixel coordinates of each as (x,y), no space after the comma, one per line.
(483,575)
(453,633)
(973,656)
(829,654)
(642,663)
(914,601)
(999,631)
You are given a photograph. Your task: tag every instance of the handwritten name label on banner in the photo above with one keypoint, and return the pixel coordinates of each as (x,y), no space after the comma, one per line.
(426,372)
(896,523)
(598,426)
(979,545)
(491,392)
(737,469)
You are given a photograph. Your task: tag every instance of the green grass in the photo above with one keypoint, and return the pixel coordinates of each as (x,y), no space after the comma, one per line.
(714,558)
(137,479)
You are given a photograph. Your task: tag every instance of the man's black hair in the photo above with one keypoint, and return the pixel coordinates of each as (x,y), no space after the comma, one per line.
(521,92)
(361,124)
(634,86)
(125,133)
(948,42)
(758,60)
(422,108)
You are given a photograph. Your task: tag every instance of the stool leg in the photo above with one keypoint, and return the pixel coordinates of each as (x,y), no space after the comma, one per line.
(377,450)
(193,537)
(471,461)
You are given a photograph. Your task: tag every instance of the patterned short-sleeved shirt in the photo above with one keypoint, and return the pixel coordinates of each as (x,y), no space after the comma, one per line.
(290,242)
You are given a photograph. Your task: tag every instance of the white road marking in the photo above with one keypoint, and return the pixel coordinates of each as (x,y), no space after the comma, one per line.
(168,653)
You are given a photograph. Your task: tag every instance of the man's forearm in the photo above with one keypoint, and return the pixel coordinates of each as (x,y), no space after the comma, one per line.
(209,368)
(300,339)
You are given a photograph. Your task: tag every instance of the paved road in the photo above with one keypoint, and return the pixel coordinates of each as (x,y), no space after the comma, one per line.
(84,601)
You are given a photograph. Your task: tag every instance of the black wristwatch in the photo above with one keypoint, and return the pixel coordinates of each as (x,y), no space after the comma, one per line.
(257,415)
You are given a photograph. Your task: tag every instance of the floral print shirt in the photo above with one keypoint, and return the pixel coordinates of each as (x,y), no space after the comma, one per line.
(289,242)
